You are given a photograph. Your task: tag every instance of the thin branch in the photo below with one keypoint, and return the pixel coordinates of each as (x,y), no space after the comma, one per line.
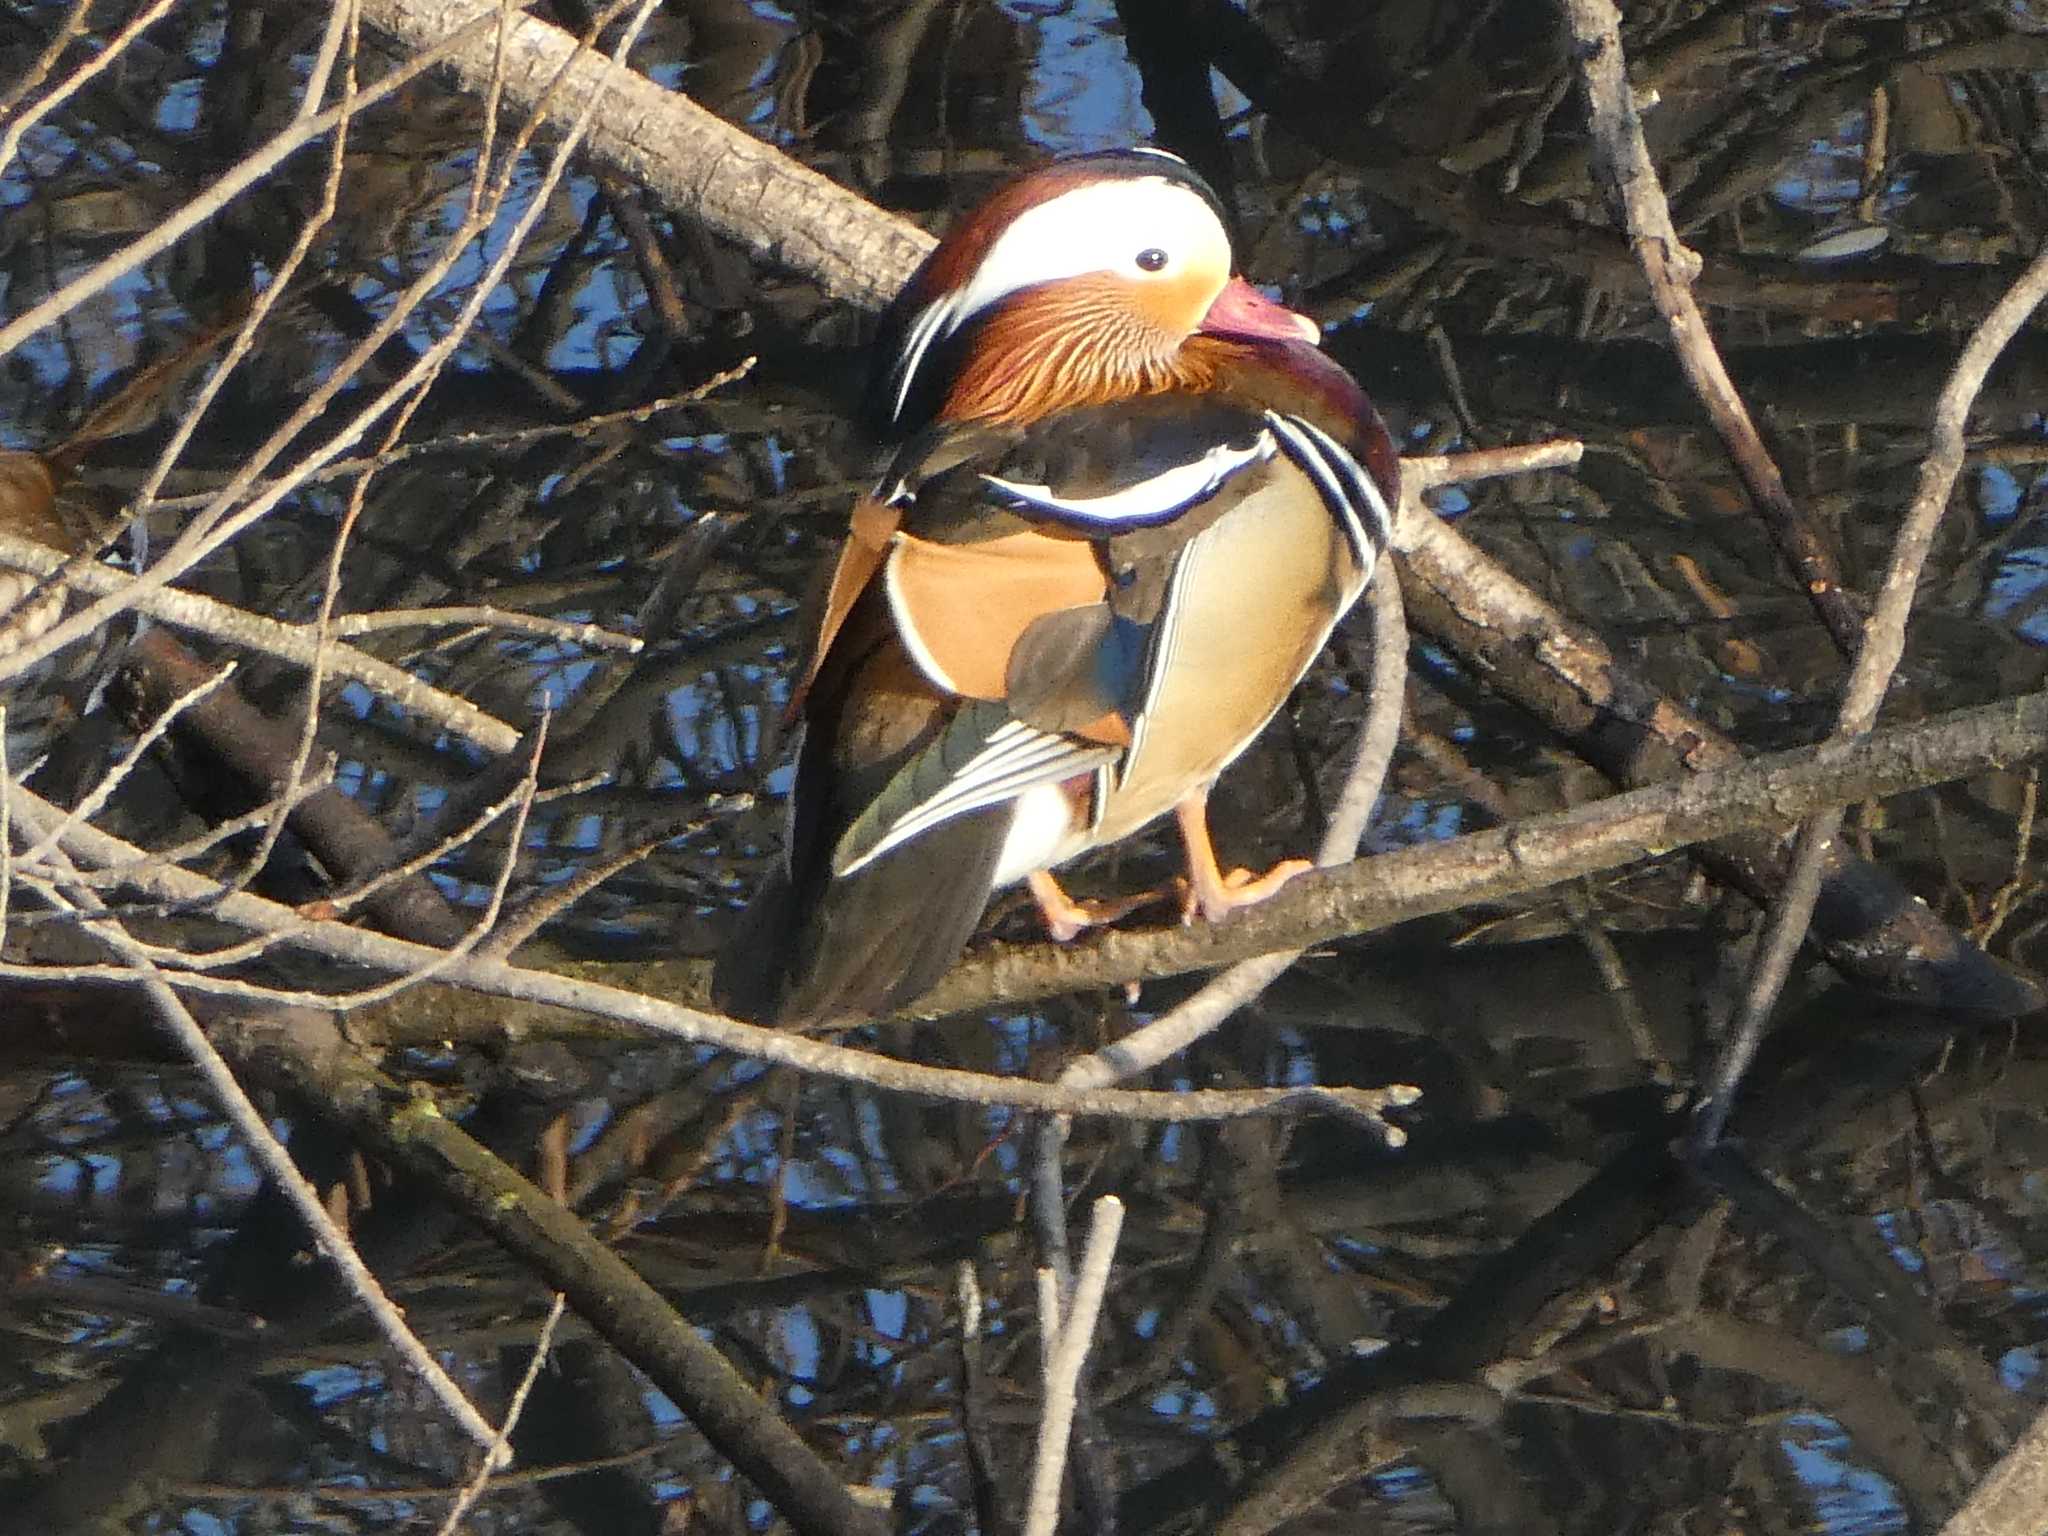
(479,616)
(1876,660)
(973,1401)
(476,442)
(523,924)
(111,780)
(606,1291)
(1623,167)
(67,31)
(341,23)
(1206,1011)
(1885,639)
(500,1453)
(1199,1015)
(249,171)
(1427,473)
(278,1166)
(1076,1332)
(294,644)
(79,78)
(218,524)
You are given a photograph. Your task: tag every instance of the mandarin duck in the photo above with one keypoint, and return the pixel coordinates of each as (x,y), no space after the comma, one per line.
(1128,502)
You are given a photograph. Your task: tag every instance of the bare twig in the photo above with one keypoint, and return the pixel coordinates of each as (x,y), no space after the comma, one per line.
(252,169)
(480,616)
(1876,660)
(606,1292)
(974,1425)
(500,1453)
(1076,1332)
(477,442)
(1622,160)
(277,1164)
(89,806)
(522,925)
(1201,1014)
(294,644)
(222,521)
(67,30)
(1427,473)
(79,78)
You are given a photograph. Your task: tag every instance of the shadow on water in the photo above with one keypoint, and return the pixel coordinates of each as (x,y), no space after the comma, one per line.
(1529,1319)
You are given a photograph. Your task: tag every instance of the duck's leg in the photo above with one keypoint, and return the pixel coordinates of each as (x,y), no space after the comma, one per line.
(1066,918)
(1211,892)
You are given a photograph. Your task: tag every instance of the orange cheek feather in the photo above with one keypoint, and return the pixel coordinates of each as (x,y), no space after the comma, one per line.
(1175,309)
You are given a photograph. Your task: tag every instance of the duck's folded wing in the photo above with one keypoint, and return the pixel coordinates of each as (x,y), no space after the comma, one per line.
(985,756)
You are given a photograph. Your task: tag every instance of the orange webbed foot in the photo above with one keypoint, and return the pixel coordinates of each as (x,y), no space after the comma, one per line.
(1067,919)
(1208,890)
(1217,899)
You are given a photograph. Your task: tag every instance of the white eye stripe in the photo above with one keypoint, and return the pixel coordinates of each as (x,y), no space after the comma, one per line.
(1100,227)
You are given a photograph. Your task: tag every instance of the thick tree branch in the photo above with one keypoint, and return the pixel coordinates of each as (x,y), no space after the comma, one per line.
(749,192)
(1362,897)
(605,1290)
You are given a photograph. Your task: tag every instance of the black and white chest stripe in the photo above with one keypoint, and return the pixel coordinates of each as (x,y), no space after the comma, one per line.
(1348,490)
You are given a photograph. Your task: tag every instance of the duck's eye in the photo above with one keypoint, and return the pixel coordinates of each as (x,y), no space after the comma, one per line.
(1151,259)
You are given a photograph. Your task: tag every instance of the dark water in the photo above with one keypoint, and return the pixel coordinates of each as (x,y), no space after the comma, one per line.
(1862,182)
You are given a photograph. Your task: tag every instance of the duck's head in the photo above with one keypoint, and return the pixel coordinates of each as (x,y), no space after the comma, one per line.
(1078,284)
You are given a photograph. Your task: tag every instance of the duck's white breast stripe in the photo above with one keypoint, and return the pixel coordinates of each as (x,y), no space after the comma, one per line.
(1367,490)
(1157,499)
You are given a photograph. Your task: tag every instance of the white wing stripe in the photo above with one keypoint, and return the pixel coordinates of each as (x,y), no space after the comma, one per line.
(1165,641)
(1153,500)
(1016,758)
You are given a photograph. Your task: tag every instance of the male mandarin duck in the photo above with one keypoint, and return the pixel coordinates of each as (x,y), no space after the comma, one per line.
(1129,501)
